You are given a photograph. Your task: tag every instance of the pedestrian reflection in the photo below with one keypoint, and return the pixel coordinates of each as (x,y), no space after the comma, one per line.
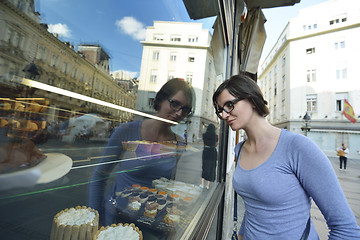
(209,156)
(138,153)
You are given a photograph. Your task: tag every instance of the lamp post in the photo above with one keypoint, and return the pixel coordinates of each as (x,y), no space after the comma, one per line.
(307,120)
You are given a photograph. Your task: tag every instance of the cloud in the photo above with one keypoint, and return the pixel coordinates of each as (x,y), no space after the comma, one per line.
(119,73)
(132,27)
(61,29)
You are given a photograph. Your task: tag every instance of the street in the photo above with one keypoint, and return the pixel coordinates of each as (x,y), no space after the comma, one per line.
(350,182)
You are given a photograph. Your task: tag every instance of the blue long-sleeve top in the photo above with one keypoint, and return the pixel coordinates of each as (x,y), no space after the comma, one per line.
(277,194)
(128,168)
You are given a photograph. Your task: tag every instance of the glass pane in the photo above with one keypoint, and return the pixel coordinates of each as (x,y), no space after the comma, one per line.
(102,116)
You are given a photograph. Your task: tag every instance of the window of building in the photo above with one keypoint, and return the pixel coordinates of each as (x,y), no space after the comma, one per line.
(54,60)
(310,50)
(283,60)
(283,81)
(340,98)
(74,73)
(191,59)
(311,102)
(189,77)
(338,19)
(341,73)
(154,75)
(151,99)
(193,39)
(315,26)
(311,75)
(173,57)
(41,53)
(156,55)
(175,38)
(158,37)
(275,89)
(339,44)
(65,67)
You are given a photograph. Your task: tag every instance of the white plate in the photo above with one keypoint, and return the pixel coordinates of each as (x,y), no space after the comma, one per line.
(54,166)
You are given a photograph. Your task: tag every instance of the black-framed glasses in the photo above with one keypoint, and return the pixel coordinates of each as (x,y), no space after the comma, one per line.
(227,107)
(176,106)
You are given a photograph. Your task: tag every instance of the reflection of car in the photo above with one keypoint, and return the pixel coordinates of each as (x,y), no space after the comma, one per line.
(88,127)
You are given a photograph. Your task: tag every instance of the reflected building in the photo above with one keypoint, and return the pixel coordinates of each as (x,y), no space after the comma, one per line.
(24,40)
(179,50)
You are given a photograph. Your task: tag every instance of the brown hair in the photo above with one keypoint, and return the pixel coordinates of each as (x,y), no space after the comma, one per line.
(242,86)
(170,88)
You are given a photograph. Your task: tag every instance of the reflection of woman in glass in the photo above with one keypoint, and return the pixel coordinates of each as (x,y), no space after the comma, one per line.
(209,156)
(174,102)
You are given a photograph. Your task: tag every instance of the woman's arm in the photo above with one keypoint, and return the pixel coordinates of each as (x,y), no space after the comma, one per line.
(319,180)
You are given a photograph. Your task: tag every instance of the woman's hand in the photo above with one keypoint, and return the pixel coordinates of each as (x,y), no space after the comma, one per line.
(240,237)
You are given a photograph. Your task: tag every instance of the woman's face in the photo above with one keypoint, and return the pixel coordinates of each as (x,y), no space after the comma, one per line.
(168,107)
(240,116)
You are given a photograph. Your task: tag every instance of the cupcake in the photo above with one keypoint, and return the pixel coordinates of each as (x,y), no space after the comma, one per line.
(152,190)
(162,203)
(175,197)
(126,193)
(144,189)
(186,200)
(162,193)
(134,197)
(151,209)
(136,186)
(119,231)
(144,197)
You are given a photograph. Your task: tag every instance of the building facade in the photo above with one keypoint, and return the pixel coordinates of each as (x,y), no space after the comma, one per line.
(313,68)
(25,41)
(179,50)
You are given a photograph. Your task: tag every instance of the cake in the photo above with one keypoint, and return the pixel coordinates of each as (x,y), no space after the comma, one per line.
(173,214)
(75,223)
(151,209)
(119,231)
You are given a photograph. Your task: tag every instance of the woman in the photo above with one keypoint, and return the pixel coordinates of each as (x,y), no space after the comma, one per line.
(343,154)
(279,172)
(209,156)
(173,102)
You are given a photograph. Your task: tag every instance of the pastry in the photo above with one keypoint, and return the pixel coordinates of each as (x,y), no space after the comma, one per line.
(75,223)
(151,209)
(119,231)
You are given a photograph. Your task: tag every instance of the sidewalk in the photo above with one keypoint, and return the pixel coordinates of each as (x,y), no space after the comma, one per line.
(350,182)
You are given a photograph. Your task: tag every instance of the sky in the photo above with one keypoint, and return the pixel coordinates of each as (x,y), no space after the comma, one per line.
(119,25)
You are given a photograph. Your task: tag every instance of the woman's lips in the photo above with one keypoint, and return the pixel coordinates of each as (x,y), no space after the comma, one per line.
(230,122)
